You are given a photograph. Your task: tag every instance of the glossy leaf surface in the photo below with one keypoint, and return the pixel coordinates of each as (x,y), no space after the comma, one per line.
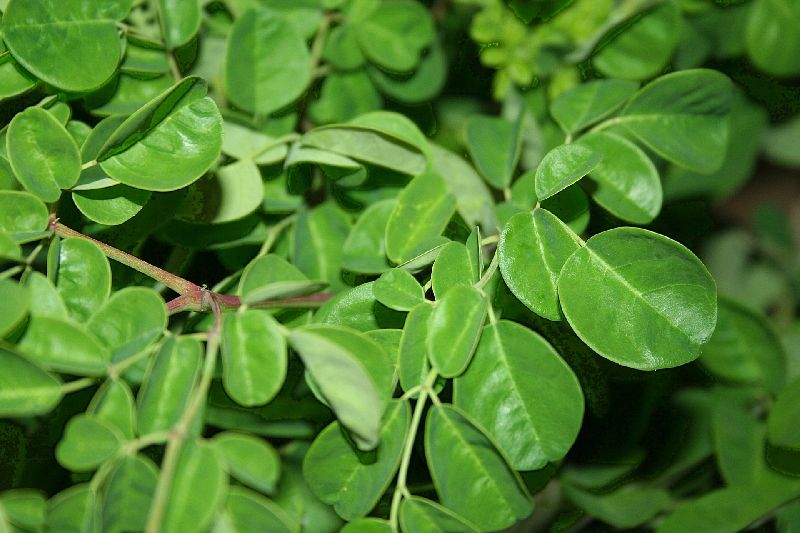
(562,166)
(590,102)
(454,329)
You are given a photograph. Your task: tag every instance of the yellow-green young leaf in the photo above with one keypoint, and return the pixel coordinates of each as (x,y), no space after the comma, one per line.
(131,320)
(87,443)
(523,394)
(45,300)
(71,44)
(495,145)
(42,153)
(21,214)
(180,21)
(198,488)
(452,267)
(395,33)
(335,358)
(127,493)
(744,349)
(64,346)
(589,102)
(412,361)
(367,525)
(168,383)
(471,477)
(113,404)
(15,300)
(23,508)
(343,477)
(253,357)
(562,166)
(84,277)
(423,210)
(643,49)
(628,185)
(625,508)
(772,33)
(639,299)
(254,81)
(683,117)
(167,144)
(73,509)
(454,329)
(398,290)
(533,249)
(782,427)
(111,205)
(319,235)
(426,516)
(247,511)
(250,460)
(364,250)
(25,388)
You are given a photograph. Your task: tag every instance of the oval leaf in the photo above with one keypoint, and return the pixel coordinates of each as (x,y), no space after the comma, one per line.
(84,277)
(398,290)
(250,460)
(26,389)
(562,166)
(454,329)
(87,443)
(589,102)
(64,346)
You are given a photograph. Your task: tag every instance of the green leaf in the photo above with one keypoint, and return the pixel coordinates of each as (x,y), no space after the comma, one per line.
(533,249)
(84,277)
(744,349)
(625,508)
(131,320)
(244,143)
(358,309)
(26,389)
(64,347)
(470,475)
(589,102)
(246,511)
(73,509)
(398,290)
(424,84)
(344,96)
(87,443)
(782,427)
(495,145)
(426,516)
(643,49)
(639,299)
(474,200)
(231,193)
(628,185)
(562,166)
(21,214)
(45,300)
(42,153)
(452,267)
(113,404)
(364,250)
(367,525)
(168,143)
(254,81)
(343,477)
(329,355)
(127,492)
(341,48)
(72,44)
(738,441)
(454,329)
(408,233)
(412,359)
(253,357)
(180,21)
(319,235)
(15,300)
(15,80)
(523,394)
(143,61)
(198,488)
(9,249)
(772,35)
(683,117)
(168,383)
(23,508)
(250,460)
(271,276)
(395,33)
(110,205)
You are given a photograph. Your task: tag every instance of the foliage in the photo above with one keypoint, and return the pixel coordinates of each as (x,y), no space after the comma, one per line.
(423,316)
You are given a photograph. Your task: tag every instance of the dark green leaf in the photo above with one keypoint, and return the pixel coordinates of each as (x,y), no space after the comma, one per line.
(247,511)
(127,493)
(772,35)
(782,428)
(624,508)
(589,102)
(364,250)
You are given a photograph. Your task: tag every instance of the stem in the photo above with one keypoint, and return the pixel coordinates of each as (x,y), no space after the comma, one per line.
(606,124)
(401,489)
(273,234)
(319,41)
(76,385)
(176,283)
(178,434)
